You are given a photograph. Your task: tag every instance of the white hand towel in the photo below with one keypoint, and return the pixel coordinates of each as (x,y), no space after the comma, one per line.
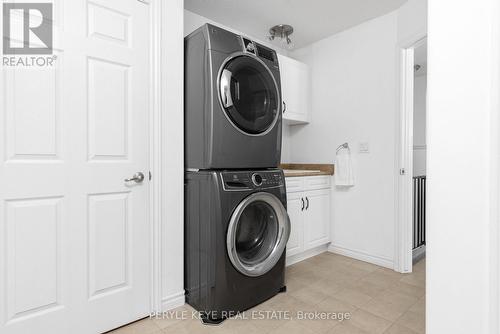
(344,175)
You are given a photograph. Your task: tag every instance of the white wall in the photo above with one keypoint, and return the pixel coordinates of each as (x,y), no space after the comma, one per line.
(286,150)
(419,119)
(172,177)
(354,99)
(193,21)
(463,155)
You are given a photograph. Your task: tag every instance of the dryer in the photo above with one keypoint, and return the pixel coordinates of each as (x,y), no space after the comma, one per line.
(232,102)
(236,230)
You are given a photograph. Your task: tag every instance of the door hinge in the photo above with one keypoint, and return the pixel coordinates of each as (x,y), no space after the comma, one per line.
(402,171)
(150,176)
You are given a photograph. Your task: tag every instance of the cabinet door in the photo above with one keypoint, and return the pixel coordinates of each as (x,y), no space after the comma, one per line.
(295,211)
(302,77)
(294,90)
(317,218)
(286,75)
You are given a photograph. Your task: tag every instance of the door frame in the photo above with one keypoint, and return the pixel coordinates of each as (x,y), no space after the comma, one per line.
(404,154)
(166,155)
(155,155)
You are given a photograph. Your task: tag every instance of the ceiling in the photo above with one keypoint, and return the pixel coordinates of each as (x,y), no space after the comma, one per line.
(312,19)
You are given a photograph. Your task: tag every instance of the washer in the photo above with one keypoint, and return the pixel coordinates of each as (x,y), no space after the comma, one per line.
(232,102)
(236,230)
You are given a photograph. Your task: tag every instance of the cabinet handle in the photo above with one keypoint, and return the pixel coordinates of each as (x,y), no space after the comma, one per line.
(302,208)
(307,199)
(284,107)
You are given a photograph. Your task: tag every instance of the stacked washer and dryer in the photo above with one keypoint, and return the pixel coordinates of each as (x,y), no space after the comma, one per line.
(236,224)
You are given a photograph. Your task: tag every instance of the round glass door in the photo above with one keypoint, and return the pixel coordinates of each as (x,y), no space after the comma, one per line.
(249,94)
(258,232)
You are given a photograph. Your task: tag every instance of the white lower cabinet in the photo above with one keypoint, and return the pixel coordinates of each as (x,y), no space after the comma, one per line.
(308,206)
(295,204)
(317,214)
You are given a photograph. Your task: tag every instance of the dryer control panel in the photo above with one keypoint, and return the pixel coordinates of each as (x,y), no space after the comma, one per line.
(248,180)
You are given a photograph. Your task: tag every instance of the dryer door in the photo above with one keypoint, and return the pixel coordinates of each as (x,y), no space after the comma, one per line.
(257,235)
(249,94)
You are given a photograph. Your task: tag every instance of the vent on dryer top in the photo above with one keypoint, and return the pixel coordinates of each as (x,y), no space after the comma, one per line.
(265,53)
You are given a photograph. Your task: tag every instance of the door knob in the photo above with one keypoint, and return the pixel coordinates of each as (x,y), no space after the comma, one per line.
(137,178)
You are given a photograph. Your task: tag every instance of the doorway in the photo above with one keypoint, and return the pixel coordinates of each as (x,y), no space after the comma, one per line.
(419,166)
(411,155)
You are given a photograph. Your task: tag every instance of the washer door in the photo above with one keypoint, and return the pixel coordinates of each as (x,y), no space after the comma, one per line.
(249,94)
(257,235)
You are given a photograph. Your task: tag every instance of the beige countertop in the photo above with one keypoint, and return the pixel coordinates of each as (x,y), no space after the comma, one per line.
(292,170)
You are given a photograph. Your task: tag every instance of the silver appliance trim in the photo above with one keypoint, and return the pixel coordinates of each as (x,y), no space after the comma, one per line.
(259,269)
(276,87)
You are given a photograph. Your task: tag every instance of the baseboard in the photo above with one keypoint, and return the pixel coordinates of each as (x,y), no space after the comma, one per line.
(359,255)
(418,253)
(173,301)
(305,255)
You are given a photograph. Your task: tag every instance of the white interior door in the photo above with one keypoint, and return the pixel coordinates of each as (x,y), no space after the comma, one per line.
(74,246)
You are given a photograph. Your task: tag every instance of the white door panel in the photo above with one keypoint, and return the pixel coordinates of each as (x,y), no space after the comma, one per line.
(295,207)
(75,256)
(317,223)
(295,89)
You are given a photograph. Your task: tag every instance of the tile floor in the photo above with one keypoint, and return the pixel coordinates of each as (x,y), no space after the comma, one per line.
(378,300)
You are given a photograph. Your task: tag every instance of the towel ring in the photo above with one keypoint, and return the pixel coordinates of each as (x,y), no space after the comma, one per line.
(344,145)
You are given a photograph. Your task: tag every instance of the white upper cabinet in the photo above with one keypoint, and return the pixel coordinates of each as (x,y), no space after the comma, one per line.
(294,90)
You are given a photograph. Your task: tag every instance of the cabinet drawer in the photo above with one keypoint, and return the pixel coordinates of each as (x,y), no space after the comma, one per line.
(317,182)
(294,184)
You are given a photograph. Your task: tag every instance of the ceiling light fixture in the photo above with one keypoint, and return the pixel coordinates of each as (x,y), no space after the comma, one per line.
(282,31)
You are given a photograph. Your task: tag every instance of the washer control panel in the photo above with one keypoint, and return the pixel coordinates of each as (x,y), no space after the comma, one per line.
(247,180)
(257,179)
